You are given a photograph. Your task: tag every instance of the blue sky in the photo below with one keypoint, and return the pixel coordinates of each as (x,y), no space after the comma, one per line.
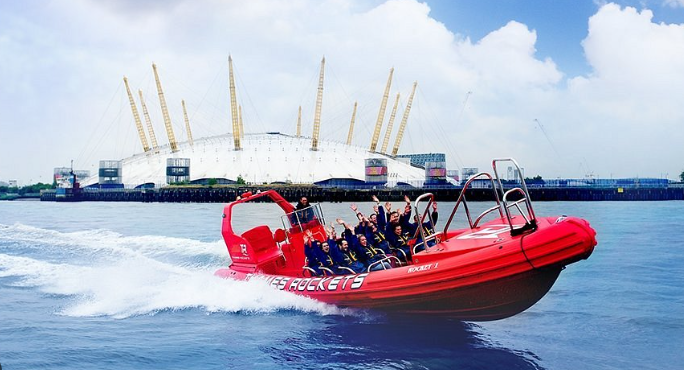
(561,25)
(604,80)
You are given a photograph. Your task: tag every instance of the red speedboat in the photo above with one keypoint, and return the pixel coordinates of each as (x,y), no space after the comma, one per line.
(487,271)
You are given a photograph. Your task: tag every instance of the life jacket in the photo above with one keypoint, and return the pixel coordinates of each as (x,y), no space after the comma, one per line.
(402,241)
(312,258)
(327,260)
(349,256)
(370,251)
(379,237)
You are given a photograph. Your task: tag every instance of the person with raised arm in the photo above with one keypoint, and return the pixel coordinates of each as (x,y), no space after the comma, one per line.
(360,227)
(412,227)
(377,238)
(355,254)
(368,227)
(376,210)
(313,253)
(334,242)
(359,243)
(373,253)
(330,255)
(400,243)
(387,217)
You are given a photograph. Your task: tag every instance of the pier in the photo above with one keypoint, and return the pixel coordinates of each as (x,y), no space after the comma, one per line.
(224,194)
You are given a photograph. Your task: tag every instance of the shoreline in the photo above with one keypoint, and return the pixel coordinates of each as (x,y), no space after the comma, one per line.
(223,194)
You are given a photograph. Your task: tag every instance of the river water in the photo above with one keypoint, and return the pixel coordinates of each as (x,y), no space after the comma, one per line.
(131,286)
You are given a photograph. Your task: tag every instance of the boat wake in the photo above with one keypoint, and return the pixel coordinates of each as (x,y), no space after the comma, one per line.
(104,273)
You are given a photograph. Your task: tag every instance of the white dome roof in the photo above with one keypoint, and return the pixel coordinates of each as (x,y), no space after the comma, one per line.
(264,158)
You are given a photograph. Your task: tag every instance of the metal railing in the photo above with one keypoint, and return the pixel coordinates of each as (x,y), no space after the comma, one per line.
(382,262)
(462,199)
(501,196)
(302,218)
(531,219)
(419,219)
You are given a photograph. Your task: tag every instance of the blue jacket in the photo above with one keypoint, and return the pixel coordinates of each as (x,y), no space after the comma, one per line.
(365,254)
(411,227)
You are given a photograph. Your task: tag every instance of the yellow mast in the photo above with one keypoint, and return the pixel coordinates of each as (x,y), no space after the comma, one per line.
(138,123)
(319,103)
(150,129)
(351,125)
(299,122)
(403,121)
(165,112)
(233,107)
(242,128)
(187,123)
(388,131)
(381,114)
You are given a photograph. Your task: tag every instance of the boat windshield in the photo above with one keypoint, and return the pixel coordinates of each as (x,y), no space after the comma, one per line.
(303,219)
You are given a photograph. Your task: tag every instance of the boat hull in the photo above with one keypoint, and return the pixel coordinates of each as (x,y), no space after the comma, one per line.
(490,300)
(483,301)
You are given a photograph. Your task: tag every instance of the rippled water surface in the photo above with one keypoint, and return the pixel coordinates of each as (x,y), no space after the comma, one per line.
(131,286)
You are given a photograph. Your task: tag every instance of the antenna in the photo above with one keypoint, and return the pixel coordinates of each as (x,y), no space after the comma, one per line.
(541,127)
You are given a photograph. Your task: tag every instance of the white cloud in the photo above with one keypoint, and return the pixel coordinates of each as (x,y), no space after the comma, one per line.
(675,3)
(632,100)
(64,63)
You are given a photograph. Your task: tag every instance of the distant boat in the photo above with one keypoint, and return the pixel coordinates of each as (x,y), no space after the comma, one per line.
(486,271)
(69,191)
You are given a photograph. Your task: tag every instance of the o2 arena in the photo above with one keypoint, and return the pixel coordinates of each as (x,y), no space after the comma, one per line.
(264,158)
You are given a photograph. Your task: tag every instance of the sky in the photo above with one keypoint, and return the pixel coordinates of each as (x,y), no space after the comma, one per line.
(570,88)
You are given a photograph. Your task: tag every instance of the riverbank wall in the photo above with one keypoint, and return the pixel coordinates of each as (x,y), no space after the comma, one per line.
(319,194)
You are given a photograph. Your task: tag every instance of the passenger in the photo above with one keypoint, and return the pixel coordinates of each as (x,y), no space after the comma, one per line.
(313,253)
(360,245)
(364,223)
(377,238)
(373,218)
(328,258)
(428,227)
(350,259)
(376,209)
(406,218)
(303,211)
(336,256)
(400,241)
(372,255)
(395,218)
(387,218)
(358,228)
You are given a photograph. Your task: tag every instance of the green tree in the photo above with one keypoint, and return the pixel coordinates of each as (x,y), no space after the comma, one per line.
(240,181)
(681,176)
(34,188)
(212,182)
(535,180)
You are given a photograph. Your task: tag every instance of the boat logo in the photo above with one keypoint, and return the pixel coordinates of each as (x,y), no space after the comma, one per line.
(422,268)
(243,248)
(317,284)
(487,233)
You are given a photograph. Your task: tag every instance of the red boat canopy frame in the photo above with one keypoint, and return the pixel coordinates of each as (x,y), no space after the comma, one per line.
(249,197)
(266,250)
